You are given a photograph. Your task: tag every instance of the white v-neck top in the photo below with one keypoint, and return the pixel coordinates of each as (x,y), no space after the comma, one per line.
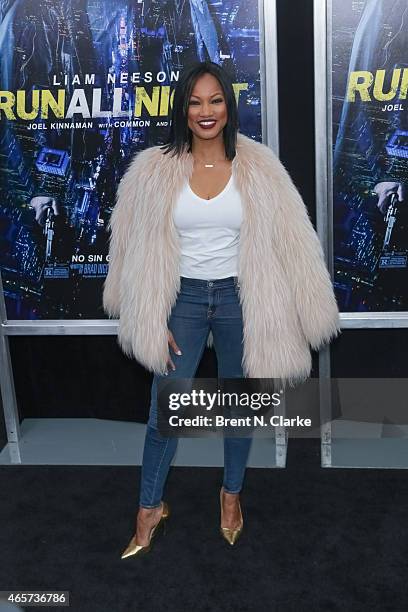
(209,232)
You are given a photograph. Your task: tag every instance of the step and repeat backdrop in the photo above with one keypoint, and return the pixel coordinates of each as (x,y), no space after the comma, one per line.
(85,85)
(369,78)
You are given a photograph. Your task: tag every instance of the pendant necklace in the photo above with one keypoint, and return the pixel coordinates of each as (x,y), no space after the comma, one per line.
(212,166)
(208,165)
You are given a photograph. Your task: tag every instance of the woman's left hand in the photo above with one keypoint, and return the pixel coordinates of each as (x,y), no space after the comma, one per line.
(175,348)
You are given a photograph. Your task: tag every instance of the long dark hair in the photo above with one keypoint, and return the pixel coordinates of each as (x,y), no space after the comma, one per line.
(180,135)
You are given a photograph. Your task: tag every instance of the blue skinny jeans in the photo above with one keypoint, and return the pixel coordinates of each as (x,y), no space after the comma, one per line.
(201,306)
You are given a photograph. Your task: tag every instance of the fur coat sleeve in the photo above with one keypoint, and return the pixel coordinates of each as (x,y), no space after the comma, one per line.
(119,229)
(302,256)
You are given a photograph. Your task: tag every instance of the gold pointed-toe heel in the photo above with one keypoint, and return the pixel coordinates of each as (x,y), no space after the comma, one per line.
(231,535)
(133,548)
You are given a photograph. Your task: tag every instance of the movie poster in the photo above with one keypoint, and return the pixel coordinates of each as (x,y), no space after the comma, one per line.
(85,85)
(370,154)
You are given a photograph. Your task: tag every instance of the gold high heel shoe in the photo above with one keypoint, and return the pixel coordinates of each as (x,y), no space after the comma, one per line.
(231,535)
(137,549)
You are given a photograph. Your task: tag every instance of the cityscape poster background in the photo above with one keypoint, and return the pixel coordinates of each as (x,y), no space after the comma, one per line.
(85,85)
(370,154)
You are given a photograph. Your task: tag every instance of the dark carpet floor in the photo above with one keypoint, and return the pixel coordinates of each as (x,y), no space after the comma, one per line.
(315,539)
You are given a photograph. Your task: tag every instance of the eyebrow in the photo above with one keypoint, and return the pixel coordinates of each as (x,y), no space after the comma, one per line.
(211,96)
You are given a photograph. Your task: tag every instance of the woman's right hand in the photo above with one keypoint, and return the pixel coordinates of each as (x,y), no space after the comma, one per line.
(175,348)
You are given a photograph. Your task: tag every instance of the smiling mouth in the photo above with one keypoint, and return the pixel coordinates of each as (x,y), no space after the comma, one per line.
(207,123)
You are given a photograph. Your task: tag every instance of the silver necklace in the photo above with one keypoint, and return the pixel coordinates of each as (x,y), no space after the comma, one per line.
(210,166)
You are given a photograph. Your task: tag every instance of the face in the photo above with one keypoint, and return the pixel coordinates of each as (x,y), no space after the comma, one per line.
(207,110)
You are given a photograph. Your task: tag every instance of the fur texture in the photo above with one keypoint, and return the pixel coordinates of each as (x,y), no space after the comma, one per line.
(286,294)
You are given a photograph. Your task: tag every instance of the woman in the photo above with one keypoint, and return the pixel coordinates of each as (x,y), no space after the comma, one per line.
(211,241)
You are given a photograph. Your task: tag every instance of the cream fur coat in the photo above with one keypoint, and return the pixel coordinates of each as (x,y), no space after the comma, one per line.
(286,294)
